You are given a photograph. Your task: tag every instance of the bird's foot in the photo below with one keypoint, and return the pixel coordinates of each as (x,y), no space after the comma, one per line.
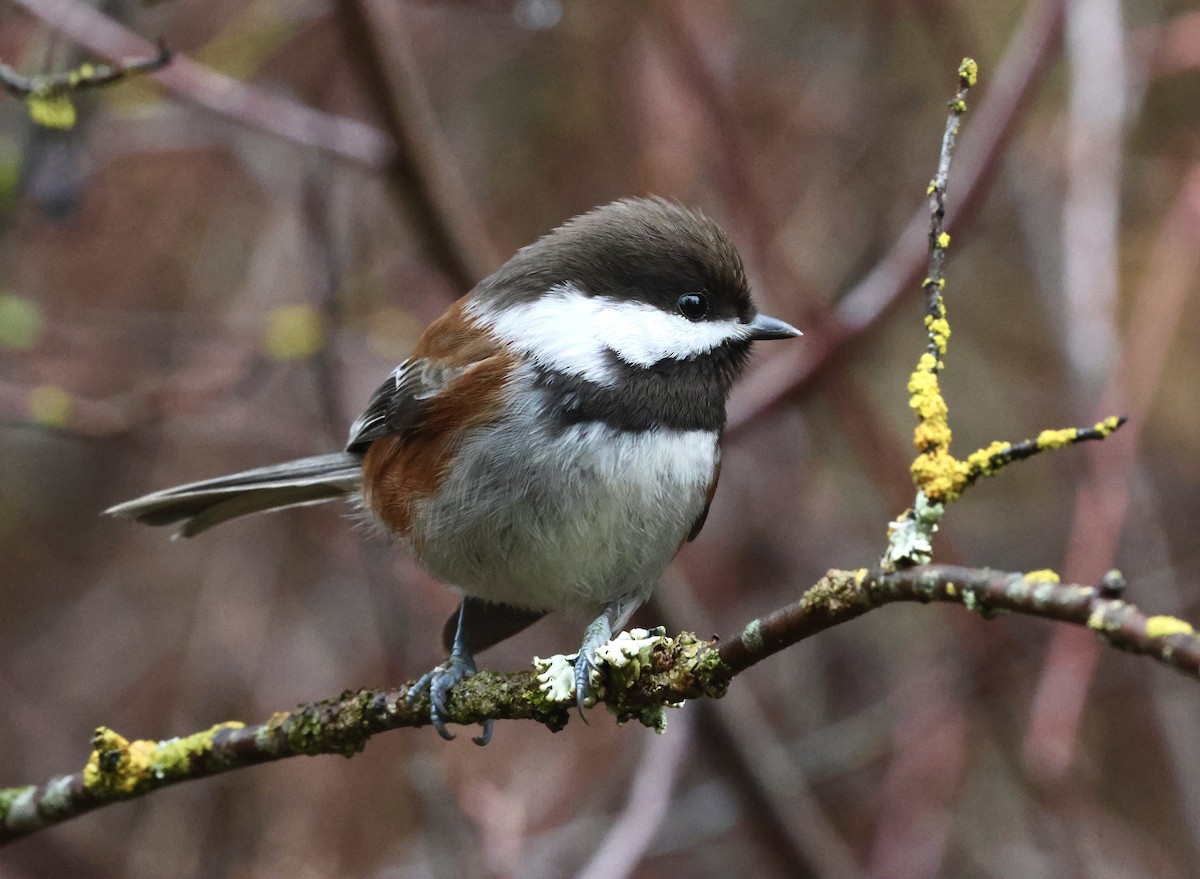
(438,683)
(587,665)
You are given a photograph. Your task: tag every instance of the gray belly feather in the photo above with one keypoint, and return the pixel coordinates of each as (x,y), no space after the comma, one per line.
(567,520)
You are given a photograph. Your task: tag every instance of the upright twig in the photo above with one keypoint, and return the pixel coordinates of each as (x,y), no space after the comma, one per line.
(939,476)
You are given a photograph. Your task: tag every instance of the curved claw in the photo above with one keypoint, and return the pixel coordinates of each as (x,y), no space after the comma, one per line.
(585,694)
(438,682)
(597,634)
(486,736)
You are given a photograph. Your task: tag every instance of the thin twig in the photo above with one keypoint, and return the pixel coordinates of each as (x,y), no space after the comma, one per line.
(86,77)
(968,75)
(248,104)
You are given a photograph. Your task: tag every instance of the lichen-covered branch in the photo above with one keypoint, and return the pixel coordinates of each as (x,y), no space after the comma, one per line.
(48,96)
(119,769)
(676,669)
(844,595)
(939,476)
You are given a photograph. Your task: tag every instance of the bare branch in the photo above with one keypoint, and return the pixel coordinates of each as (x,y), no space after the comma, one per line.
(252,106)
(87,76)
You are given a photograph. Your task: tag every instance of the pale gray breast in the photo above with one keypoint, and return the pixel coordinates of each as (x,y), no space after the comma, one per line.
(564,518)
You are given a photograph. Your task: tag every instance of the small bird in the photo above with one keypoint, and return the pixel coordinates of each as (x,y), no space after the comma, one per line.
(552,442)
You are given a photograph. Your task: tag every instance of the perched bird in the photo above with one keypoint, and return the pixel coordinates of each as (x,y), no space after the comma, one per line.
(554,439)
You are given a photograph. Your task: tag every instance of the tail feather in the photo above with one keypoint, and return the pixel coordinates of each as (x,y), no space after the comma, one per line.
(201,505)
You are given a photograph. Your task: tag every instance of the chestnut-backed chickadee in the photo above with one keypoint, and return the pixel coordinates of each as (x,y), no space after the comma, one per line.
(554,439)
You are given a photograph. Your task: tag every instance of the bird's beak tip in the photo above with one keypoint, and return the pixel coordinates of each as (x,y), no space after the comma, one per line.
(763,328)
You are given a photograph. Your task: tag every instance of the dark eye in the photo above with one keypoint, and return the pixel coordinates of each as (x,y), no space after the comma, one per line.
(693,306)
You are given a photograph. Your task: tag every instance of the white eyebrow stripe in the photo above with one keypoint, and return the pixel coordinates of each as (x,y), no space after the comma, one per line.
(567,330)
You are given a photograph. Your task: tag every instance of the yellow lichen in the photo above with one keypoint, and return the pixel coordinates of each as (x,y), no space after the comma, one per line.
(939,332)
(1161,626)
(926,397)
(119,766)
(116,764)
(943,240)
(50,110)
(1056,439)
(939,475)
(1043,576)
(929,436)
(50,405)
(1107,426)
(293,332)
(968,71)
(988,461)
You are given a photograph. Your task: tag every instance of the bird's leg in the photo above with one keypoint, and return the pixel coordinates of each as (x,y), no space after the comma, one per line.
(458,666)
(597,635)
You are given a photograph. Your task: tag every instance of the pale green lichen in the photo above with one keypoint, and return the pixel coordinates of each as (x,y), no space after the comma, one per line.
(1103,619)
(556,676)
(628,653)
(633,648)
(970,602)
(655,718)
(625,656)
(910,536)
(10,795)
(704,661)
(752,636)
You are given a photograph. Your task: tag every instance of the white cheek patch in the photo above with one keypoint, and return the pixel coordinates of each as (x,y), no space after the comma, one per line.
(567,330)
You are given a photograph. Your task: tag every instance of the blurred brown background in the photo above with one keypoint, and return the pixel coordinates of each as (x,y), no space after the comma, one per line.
(187,290)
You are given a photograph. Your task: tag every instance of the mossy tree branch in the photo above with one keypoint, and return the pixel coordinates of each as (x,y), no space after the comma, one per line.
(681,668)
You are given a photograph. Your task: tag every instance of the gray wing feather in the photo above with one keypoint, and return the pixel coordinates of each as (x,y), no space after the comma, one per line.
(396,406)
